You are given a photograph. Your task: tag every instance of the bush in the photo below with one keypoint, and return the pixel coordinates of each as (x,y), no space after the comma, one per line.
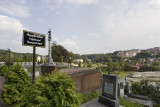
(3,70)
(54,90)
(148,90)
(16,81)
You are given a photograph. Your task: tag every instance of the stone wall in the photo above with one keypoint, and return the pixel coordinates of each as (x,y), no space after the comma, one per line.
(144,74)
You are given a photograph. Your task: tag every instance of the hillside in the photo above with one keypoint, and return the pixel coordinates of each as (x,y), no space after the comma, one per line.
(4,54)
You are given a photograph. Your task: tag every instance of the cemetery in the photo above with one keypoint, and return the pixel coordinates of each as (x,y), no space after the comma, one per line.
(62,82)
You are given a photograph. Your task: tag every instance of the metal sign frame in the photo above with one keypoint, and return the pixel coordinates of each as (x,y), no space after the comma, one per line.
(36,35)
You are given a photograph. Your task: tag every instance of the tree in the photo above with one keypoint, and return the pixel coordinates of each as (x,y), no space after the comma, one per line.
(3,70)
(110,67)
(54,90)
(127,67)
(143,54)
(57,51)
(16,81)
(156,63)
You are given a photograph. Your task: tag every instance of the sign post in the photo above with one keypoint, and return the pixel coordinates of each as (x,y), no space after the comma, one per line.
(35,40)
(34,61)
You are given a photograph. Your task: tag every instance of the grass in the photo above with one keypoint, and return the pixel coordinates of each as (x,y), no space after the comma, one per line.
(127,103)
(89,96)
(121,74)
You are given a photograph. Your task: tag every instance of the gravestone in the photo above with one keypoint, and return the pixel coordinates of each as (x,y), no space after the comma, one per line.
(31,63)
(109,95)
(27,63)
(129,88)
(121,89)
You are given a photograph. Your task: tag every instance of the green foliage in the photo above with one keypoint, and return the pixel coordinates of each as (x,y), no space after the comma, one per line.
(59,53)
(3,70)
(16,81)
(156,64)
(144,88)
(54,90)
(89,65)
(79,64)
(143,54)
(89,96)
(154,67)
(127,103)
(127,67)
(15,57)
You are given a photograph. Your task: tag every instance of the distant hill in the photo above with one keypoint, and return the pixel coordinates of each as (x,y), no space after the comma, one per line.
(4,54)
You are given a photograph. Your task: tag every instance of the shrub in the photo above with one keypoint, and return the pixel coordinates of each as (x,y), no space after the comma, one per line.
(3,70)
(148,90)
(16,80)
(54,90)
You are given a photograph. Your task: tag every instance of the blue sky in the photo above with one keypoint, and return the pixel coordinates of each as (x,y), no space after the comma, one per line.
(82,26)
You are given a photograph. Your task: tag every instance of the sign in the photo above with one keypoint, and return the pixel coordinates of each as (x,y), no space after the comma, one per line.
(33,39)
(108,88)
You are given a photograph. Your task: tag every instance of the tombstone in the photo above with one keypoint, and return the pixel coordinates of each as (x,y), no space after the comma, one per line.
(129,88)
(109,95)
(31,63)
(121,89)
(36,73)
(25,69)
(23,64)
(27,63)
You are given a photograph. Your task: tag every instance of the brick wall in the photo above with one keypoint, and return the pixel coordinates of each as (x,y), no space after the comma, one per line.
(86,79)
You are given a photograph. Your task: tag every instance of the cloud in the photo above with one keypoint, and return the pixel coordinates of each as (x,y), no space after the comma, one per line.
(10,26)
(11,31)
(134,27)
(69,44)
(93,35)
(82,1)
(14,8)
(77,2)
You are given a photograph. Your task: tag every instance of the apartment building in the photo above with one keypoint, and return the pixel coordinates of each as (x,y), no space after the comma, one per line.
(128,53)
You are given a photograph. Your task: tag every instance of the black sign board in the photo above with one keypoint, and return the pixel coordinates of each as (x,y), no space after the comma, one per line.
(33,39)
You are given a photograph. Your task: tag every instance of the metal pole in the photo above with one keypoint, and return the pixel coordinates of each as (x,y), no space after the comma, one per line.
(34,61)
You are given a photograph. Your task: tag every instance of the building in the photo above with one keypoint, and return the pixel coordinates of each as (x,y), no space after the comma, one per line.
(154,50)
(79,60)
(38,58)
(128,53)
(44,59)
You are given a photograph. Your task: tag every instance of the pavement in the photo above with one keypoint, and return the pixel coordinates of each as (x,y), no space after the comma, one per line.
(95,103)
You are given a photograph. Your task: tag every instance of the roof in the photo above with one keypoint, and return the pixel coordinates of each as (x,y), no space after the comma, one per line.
(78,71)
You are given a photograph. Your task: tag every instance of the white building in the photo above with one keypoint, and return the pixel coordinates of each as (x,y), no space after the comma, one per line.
(129,53)
(38,58)
(79,60)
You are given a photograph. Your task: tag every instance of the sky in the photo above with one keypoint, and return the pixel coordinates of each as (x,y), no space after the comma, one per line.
(82,26)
